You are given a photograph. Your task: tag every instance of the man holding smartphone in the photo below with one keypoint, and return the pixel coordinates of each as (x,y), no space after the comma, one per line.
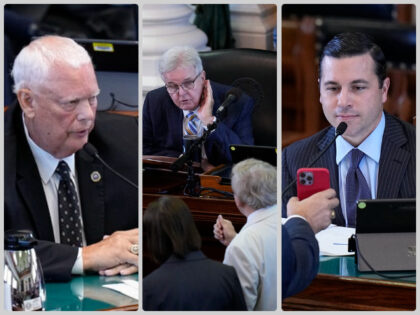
(188,95)
(375,157)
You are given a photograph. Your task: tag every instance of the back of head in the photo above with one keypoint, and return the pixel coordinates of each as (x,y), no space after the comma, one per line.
(169,229)
(254,182)
(180,57)
(33,63)
(355,44)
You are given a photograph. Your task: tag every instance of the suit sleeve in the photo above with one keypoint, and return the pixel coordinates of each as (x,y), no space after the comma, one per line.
(57,260)
(286,179)
(300,256)
(235,128)
(147,128)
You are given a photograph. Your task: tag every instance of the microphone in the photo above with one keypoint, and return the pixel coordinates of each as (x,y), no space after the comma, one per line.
(175,166)
(341,128)
(91,150)
(231,96)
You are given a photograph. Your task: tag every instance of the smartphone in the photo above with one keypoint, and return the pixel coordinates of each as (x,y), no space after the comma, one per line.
(311,181)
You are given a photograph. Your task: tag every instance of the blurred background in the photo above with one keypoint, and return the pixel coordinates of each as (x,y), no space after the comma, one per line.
(108,31)
(305,31)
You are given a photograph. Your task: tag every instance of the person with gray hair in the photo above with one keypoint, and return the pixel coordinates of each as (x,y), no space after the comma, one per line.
(83,217)
(188,96)
(253,251)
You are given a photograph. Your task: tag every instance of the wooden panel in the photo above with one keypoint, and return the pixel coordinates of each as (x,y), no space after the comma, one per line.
(329,292)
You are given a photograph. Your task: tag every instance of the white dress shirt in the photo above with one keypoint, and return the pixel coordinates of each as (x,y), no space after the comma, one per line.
(253,254)
(369,165)
(47,165)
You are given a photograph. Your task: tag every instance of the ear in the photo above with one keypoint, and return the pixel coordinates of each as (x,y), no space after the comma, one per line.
(26,102)
(204,75)
(239,203)
(385,88)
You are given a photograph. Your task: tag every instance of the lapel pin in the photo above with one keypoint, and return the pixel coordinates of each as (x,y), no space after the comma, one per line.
(95,176)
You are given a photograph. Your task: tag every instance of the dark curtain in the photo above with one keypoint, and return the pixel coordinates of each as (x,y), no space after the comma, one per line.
(214,20)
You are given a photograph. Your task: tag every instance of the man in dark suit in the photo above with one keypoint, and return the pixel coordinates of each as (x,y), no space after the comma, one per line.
(353,87)
(187,91)
(299,250)
(56,89)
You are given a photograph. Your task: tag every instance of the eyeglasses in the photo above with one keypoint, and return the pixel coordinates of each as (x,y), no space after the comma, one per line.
(173,88)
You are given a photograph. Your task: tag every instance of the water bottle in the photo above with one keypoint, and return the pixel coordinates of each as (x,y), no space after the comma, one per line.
(24,286)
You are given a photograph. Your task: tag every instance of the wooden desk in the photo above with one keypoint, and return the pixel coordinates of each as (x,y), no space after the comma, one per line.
(339,286)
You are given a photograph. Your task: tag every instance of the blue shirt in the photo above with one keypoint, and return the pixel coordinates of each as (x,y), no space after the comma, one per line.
(369,165)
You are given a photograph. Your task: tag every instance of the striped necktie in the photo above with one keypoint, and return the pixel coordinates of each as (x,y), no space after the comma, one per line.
(191,127)
(356,186)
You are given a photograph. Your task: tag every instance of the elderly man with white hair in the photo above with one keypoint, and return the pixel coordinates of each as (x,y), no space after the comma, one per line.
(189,95)
(253,251)
(84,217)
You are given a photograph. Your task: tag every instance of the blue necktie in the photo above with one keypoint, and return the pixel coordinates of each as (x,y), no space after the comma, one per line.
(356,186)
(68,208)
(191,127)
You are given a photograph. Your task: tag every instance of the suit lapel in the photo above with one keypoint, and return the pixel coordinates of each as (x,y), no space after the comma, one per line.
(92,196)
(328,161)
(29,185)
(393,162)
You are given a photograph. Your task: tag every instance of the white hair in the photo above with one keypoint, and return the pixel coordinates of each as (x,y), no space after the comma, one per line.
(180,57)
(254,182)
(33,63)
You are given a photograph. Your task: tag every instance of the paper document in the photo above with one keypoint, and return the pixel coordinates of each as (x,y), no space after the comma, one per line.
(333,241)
(128,287)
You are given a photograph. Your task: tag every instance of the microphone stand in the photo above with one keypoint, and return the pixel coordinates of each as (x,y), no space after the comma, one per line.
(193,185)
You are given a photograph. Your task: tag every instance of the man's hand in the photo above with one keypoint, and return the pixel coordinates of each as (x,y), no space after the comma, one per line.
(124,269)
(316,209)
(205,112)
(223,230)
(112,252)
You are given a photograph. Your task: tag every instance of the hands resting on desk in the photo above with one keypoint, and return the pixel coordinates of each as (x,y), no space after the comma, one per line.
(112,255)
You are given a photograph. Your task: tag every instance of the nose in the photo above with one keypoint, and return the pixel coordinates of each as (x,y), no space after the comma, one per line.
(180,88)
(85,110)
(343,98)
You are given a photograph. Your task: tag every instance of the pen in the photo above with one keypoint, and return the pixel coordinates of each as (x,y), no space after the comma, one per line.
(339,243)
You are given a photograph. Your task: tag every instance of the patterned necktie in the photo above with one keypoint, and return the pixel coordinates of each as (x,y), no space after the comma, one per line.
(191,127)
(68,208)
(356,186)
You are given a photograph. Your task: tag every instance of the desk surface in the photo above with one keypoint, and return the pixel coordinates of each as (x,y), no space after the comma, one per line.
(339,286)
(87,294)
(344,266)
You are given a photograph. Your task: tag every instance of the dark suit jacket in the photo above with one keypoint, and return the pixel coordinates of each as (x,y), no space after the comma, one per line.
(397,165)
(300,256)
(107,205)
(194,283)
(162,125)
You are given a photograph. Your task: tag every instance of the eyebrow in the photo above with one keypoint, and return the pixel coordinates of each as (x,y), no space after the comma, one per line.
(352,82)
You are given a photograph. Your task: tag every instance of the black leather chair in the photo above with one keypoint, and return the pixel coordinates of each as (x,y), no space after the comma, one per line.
(255,72)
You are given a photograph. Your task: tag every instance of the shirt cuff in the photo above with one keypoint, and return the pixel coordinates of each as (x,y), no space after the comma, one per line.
(294,216)
(78,264)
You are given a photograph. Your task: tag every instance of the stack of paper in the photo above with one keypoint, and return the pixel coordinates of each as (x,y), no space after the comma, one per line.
(333,241)
(128,287)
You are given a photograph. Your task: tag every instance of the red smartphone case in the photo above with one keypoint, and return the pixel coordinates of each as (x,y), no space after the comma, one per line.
(311,181)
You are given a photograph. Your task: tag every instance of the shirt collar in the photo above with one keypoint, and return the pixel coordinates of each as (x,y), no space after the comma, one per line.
(371,146)
(260,214)
(46,163)
(186,112)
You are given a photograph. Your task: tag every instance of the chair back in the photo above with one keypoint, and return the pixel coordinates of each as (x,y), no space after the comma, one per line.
(255,72)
